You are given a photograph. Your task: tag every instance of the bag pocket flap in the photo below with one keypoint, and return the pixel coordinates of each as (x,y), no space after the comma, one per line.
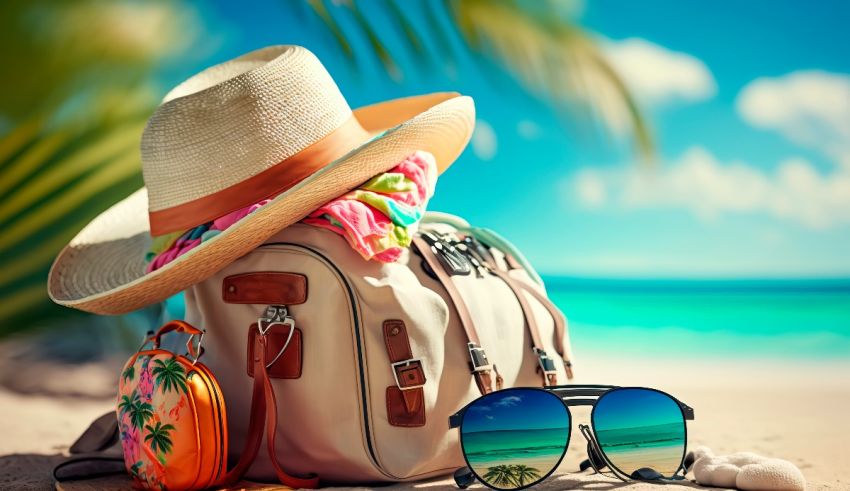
(269,288)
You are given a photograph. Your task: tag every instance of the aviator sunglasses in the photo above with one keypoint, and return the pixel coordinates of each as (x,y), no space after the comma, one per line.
(516,438)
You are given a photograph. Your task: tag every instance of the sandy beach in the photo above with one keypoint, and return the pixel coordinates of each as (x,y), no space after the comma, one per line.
(791,411)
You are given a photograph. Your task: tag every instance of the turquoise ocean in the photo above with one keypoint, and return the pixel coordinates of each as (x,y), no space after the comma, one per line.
(504,446)
(788,319)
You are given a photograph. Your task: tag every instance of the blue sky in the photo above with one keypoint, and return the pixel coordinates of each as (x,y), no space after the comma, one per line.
(517,410)
(749,102)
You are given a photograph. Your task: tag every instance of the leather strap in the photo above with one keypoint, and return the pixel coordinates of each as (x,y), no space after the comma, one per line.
(261,374)
(263,410)
(255,428)
(560,324)
(483,376)
(549,378)
(410,377)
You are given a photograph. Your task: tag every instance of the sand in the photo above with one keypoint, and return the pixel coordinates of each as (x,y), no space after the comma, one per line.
(795,411)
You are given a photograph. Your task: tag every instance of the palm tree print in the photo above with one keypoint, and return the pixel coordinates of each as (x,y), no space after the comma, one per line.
(524,474)
(511,476)
(501,476)
(169,374)
(139,411)
(159,438)
(129,373)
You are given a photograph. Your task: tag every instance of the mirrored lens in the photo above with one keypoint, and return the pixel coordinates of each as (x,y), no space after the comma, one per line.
(640,430)
(515,437)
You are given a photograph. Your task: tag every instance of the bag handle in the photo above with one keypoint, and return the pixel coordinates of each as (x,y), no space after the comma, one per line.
(546,365)
(560,324)
(194,350)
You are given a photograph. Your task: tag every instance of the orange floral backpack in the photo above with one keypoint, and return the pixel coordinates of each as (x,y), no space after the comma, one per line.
(171,417)
(172,422)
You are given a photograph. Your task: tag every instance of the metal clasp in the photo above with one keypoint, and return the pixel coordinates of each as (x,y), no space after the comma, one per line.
(276,315)
(199,348)
(404,364)
(478,358)
(547,364)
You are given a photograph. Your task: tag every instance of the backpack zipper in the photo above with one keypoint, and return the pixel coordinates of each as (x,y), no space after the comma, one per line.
(357,330)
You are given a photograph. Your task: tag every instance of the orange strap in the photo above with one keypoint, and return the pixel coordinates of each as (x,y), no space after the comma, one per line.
(268,183)
(179,326)
(271,423)
(263,410)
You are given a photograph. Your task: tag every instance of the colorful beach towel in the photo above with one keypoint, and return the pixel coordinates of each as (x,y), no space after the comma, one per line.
(377,219)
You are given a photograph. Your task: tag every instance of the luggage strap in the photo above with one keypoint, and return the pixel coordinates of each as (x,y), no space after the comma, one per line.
(479,365)
(99,451)
(546,365)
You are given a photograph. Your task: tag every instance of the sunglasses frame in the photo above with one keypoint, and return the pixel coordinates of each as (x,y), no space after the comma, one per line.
(573,395)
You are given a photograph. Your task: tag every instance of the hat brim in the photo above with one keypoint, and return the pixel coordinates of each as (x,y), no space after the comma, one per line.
(102,270)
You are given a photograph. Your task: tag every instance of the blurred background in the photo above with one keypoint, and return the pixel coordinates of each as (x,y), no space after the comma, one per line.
(679,171)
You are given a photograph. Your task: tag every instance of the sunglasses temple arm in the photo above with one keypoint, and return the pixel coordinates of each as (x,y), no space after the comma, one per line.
(455,419)
(688,411)
(585,465)
(464,477)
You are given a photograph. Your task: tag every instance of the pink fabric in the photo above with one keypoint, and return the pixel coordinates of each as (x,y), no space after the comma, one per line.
(367,229)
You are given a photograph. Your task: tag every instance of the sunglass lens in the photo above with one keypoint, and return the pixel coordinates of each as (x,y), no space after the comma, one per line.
(516,437)
(641,432)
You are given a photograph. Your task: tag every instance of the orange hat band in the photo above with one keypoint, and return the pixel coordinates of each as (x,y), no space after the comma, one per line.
(266,184)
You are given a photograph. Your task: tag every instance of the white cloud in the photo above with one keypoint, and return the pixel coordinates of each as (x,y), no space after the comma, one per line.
(484,141)
(708,188)
(528,129)
(590,188)
(658,75)
(810,108)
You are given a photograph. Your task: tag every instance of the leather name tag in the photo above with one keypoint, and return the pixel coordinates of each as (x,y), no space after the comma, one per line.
(288,364)
(265,288)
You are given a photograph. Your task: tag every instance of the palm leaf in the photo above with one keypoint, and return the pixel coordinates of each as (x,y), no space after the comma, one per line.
(60,177)
(552,58)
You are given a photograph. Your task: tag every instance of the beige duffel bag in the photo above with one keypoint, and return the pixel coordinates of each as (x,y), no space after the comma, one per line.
(377,356)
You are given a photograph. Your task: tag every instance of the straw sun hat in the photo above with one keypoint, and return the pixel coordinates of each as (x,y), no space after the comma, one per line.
(271,122)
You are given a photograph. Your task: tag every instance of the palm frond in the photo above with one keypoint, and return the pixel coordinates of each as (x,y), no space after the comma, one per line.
(553,59)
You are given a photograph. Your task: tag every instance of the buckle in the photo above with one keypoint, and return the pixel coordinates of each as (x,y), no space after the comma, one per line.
(399,366)
(547,364)
(478,358)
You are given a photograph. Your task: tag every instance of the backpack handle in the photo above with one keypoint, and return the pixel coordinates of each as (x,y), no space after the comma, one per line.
(194,349)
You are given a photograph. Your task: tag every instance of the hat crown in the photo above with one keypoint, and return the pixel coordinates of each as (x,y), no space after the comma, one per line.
(235,120)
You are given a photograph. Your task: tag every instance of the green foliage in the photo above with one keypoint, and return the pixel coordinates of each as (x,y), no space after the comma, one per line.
(72,108)
(525,475)
(159,437)
(139,411)
(129,373)
(549,54)
(516,476)
(501,476)
(169,374)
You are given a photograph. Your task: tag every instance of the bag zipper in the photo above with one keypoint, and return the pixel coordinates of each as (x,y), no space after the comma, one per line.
(357,330)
